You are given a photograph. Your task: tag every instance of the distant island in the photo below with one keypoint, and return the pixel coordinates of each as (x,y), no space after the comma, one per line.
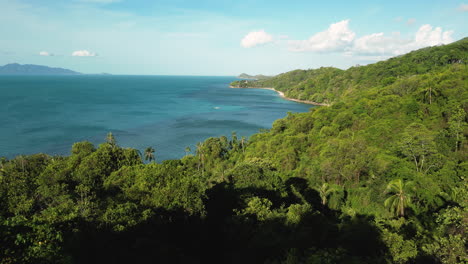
(253,77)
(31,69)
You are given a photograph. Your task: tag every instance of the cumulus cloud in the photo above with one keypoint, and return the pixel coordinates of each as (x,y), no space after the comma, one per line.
(427,36)
(256,38)
(379,44)
(463,7)
(335,38)
(83,53)
(45,53)
(340,38)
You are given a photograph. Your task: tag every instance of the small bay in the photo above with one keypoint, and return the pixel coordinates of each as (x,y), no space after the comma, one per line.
(47,114)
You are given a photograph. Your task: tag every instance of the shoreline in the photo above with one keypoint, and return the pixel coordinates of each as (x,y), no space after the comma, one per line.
(282,95)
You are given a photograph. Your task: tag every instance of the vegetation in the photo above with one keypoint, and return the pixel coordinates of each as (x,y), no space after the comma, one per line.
(149,154)
(255,77)
(328,84)
(377,177)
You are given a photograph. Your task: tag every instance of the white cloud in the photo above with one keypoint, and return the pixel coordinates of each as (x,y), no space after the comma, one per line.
(379,44)
(83,53)
(411,21)
(45,53)
(339,38)
(256,38)
(335,38)
(426,36)
(463,7)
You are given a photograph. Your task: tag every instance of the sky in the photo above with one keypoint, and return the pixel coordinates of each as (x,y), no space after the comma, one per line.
(213,37)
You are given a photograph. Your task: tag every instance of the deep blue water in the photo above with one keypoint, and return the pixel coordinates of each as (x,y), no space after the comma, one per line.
(49,113)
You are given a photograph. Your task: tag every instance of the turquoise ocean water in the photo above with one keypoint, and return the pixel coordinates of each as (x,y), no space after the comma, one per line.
(49,113)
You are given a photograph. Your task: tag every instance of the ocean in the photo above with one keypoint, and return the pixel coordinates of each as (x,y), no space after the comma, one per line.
(47,114)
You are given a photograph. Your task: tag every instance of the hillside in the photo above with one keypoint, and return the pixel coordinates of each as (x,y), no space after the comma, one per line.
(327,85)
(253,77)
(377,177)
(31,69)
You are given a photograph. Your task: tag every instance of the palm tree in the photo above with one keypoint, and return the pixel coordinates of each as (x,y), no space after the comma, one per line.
(456,127)
(325,191)
(187,150)
(233,140)
(139,154)
(400,196)
(2,162)
(149,154)
(429,91)
(22,163)
(243,141)
(110,139)
(200,155)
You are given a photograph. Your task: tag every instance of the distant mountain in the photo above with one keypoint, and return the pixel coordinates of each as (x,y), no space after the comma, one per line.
(255,77)
(30,69)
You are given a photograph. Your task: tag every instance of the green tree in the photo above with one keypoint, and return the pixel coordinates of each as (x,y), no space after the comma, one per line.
(429,91)
(234,143)
(110,139)
(456,123)
(243,142)
(187,150)
(401,250)
(149,154)
(417,143)
(400,196)
(201,155)
(325,190)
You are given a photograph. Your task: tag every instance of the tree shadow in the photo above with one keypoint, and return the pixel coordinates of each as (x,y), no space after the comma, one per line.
(299,185)
(174,236)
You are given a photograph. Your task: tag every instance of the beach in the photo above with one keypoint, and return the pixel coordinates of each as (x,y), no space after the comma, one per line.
(283,96)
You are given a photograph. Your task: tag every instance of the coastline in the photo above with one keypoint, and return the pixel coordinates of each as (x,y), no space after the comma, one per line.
(283,96)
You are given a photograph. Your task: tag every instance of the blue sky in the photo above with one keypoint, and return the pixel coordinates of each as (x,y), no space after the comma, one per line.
(212,37)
